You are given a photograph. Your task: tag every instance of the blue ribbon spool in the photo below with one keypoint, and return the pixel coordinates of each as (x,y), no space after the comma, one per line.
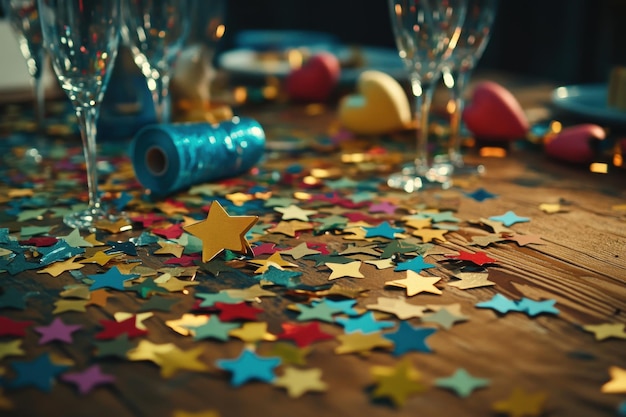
(173,157)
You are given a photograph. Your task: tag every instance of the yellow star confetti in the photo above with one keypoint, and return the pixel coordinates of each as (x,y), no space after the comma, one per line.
(99,258)
(168,248)
(12,348)
(299,381)
(350,269)
(275,260)
(175,359)
(61,306)
(290,228)
(118,226)
(149,351)
(57,268)
(397,383)
(521,404)
(617,384)
(173,284)
(471,280)
(220,231)
(416,283)
(252,332)
(607,330)
(358,342)
(428,235)
(397,306)
(181,324)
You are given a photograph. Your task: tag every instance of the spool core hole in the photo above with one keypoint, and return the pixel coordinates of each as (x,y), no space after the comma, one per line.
(156,161)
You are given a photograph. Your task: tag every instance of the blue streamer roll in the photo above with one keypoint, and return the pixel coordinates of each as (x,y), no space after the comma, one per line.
(173,157)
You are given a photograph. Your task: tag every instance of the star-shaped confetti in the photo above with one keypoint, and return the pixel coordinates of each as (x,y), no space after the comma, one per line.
(39,372)
(299,381)
(221,231)
(499,303)
(478,258)
(604,331)
(520,404)
(509,218)
(347,270)
(397,383)
(249,366)
(416,284)
(462,383)
(57,330)
(397,306)
(409,338)
(112,278)
(175,359)
(358,342)
(303,334)
(88,379)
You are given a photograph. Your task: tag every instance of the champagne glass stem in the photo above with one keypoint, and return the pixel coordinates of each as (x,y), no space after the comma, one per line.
(423,95)
(456,92)
(160,96)
(87,117)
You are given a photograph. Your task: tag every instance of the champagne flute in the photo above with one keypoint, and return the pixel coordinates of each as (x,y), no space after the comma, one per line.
(155,31)
(474,37)
(82,38)
(426,32)
(23,16)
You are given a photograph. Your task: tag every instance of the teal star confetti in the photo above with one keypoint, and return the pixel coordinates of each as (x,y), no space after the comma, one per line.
(534,308)
(114,348)
(60,251)
(384,229)
(127,248)
(146,288)
(416,264)
(509,218)
(341,306)
(39,373)
(462,383)
(319,311)
(144,239)
(209,299)
(481,195)
(285,278)
(36,214)
(34,230)
(408,338)
(214,329)
(365,324)
(112,278)
(499,303)
(249,366)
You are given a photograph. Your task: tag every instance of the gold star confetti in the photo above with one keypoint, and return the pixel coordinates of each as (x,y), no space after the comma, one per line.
(358,342)
(290,228)
(249,294)
(275,260)
(290,353)
(300,251)
(398,307)
(99,258)
(382,263)
(299,381)
(176,359)
(181,324)
(148,351)
(397,383)
(419,223)
(99,297)
(57,268)
(550,208)
(168,248)
(428,235)
(606,330)
(617,384)
(220,231)
(118,226)
(62,306)
(416,283)
(173,284)
(520,404)
(252,332)
(350,269)
(471,280)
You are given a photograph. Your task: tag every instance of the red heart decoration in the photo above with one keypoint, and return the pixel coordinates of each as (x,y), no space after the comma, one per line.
(494,113)
(574,144)
(316,79)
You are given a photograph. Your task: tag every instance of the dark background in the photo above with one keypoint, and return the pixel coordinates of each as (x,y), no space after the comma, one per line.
(564,41)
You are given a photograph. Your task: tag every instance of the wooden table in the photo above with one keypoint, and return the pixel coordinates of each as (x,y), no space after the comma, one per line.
(576,259)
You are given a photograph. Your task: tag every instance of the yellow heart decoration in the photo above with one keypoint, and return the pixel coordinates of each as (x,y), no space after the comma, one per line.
(380,105)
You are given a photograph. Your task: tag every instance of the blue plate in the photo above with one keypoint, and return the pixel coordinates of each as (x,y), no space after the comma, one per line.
(588,101)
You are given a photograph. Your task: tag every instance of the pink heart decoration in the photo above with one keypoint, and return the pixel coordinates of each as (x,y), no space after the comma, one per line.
(494,113)
(315,80)
(574,144)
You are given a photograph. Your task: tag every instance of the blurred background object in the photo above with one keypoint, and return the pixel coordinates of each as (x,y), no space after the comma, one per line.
(564,41)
